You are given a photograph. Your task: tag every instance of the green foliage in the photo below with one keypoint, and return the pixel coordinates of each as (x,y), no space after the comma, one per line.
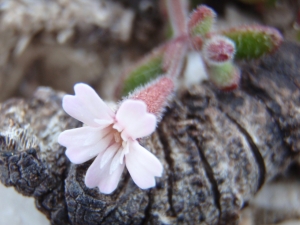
(221,74)
(225,76)
(254,41)
(142,74)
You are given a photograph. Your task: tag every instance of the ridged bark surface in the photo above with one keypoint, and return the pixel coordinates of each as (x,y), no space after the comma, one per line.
(217,150)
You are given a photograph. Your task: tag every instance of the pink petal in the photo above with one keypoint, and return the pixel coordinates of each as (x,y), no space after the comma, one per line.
(116,161)
(132,116)
(84,143)
(124,152)
(142,166)
(109,154)
(82,136)
(94,173)
(78,155)
(86,106)
(106,182)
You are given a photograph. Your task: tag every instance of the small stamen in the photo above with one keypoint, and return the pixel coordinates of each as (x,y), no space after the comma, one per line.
(117,137)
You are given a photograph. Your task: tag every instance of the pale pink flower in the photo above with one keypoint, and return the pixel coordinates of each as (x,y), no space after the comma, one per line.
(112,138)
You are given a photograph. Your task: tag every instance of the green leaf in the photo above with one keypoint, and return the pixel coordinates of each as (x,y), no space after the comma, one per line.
(147,70)
(225,76)
(254,41)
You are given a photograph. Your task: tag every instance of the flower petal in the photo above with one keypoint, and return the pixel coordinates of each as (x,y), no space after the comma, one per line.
(116,161)
(82,136)
(86,106)
(132,116)
(78,155)
(94,173)
(142,165)
(84,143)
(106,182)
(109,154)
(124,152)
(109,183)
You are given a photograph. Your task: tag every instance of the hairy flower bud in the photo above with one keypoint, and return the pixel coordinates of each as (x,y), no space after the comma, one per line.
(201,21)
(156,95)
(218,49)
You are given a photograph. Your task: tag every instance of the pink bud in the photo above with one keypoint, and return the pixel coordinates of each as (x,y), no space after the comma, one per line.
(218,49)
(156,95)
(201,21)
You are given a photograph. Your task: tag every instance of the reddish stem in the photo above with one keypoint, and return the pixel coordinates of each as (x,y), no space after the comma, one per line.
(174,56)
(178,14)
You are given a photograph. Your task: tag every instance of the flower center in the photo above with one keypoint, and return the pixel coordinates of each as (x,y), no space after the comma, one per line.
(117,137)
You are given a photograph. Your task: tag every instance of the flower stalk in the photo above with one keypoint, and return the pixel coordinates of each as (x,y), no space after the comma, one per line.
(177,12)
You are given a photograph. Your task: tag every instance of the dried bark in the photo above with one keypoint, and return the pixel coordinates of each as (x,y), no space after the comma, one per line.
(217,149)
(31,159)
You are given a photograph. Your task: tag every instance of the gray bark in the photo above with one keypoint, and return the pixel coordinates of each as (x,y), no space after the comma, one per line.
(217,150)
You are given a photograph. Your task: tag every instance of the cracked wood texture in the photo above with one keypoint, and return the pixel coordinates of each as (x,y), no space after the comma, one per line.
(217,150)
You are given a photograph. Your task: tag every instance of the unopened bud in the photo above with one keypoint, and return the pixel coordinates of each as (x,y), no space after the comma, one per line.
(156,95)
(201,21)
(218,49)
(226,76)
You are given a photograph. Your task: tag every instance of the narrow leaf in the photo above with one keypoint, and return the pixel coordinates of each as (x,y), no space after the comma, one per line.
(144,71)
(226,76)
(252,42)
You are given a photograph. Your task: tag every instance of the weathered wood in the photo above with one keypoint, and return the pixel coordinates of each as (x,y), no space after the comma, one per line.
(217,150)
(31,160)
